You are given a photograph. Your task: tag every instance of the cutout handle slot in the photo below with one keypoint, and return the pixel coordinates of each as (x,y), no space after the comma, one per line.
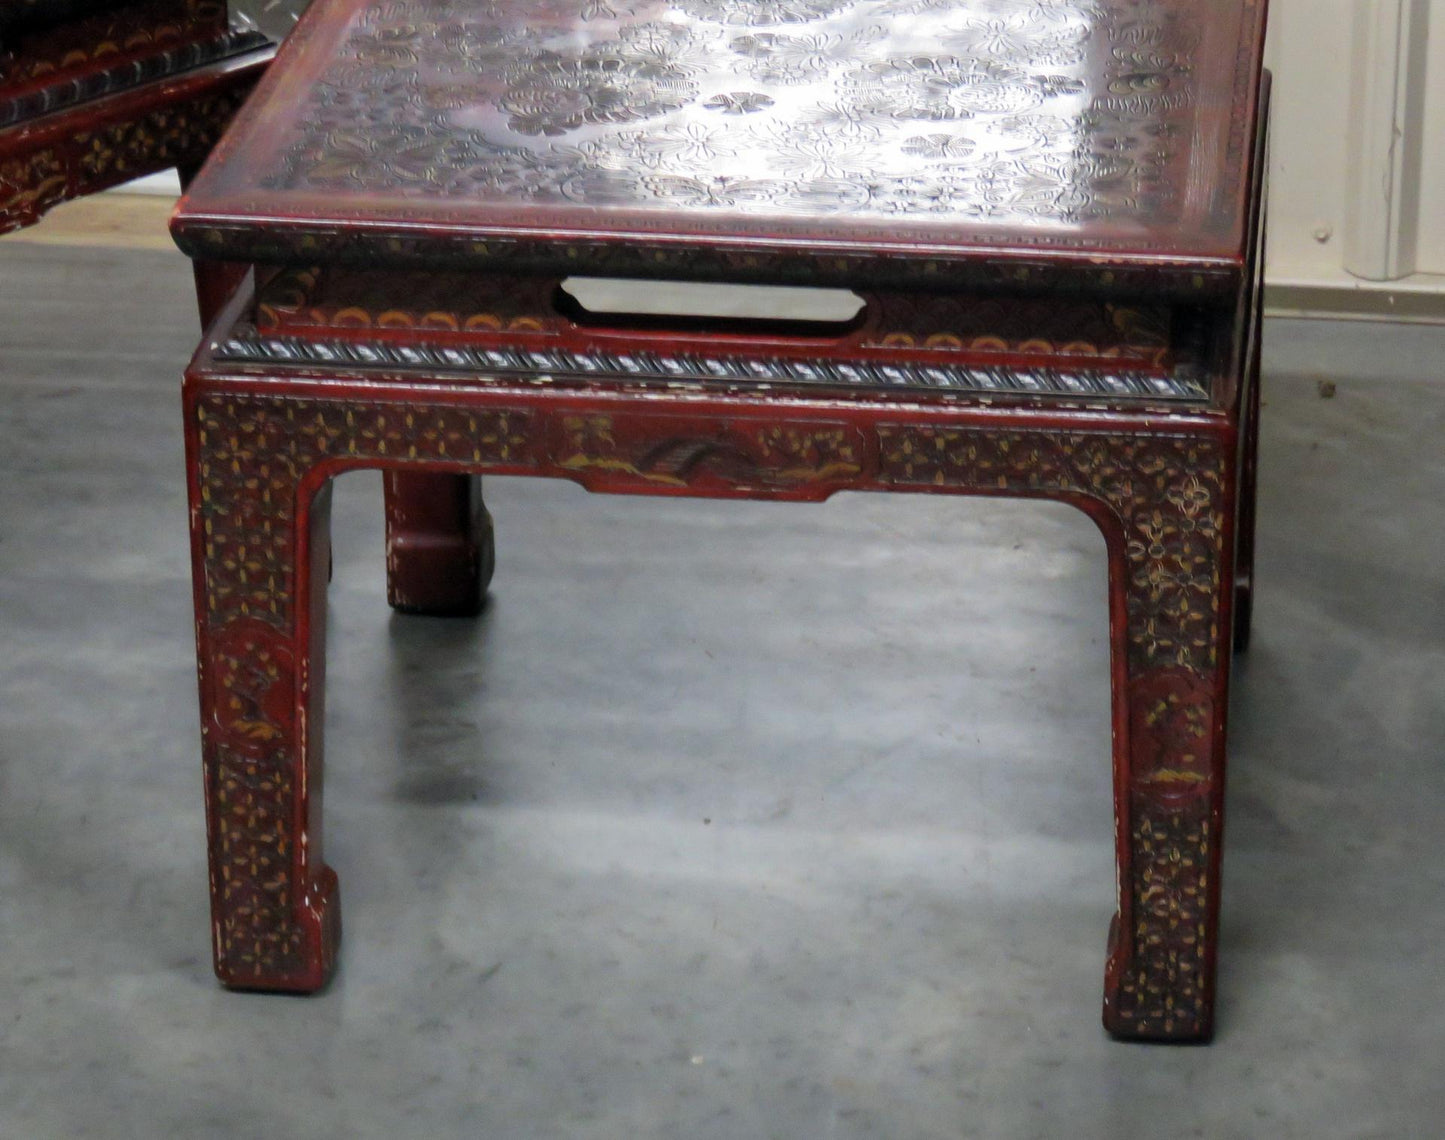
(622,306)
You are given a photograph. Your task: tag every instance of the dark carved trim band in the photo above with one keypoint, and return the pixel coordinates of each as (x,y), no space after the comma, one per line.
(124,77)
(1185,385)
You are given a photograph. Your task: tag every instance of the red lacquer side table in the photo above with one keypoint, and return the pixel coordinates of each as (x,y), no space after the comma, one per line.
(94,93)
(1051,213)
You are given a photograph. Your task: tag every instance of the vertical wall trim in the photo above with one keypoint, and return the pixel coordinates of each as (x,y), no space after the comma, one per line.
(1385,136)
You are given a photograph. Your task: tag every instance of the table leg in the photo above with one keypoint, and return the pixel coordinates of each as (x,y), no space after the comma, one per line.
(257,532)
(216,281)
(1175,576)
(439,546)
(1165,503)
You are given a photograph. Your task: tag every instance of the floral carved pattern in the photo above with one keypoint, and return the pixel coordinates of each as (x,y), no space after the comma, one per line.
(251,851)
(1167,492)
(764,13)
(254,674)
(552,93)
(160,138)
(256,451)
(250,771)
(29,186)
(979,111)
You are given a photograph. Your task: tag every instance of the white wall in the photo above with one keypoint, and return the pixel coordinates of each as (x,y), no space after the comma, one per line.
(1432,198)
(1357,194)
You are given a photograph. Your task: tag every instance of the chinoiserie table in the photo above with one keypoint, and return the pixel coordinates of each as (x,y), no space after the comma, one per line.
(94,93)
(1050,212)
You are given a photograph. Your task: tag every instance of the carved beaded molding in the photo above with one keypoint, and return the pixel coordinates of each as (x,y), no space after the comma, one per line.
(1088,353)
(547,365)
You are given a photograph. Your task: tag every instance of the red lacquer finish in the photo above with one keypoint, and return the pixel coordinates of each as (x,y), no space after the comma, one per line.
(439,546)
(1062,212)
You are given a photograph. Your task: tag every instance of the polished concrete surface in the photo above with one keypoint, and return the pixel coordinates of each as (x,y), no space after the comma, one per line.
(725,820)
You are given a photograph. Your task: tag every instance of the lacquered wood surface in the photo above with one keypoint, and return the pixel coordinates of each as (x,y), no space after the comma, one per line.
(1081,132)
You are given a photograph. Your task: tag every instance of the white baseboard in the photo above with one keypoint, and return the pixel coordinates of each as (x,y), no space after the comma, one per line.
(1419,299)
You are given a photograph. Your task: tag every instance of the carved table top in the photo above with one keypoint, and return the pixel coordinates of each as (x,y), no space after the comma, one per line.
(782,138)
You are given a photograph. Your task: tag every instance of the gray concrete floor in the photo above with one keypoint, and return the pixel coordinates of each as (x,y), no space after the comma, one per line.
(725,820)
